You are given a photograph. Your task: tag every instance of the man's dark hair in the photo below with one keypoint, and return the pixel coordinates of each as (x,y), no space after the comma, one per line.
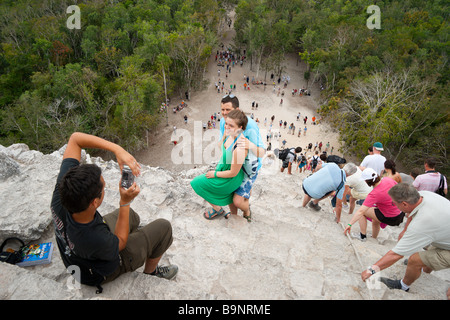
(431,162)
(298,149)
(79,186)
(231,98)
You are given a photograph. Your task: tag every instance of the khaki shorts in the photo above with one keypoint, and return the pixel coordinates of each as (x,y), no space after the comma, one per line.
(435,258)
(150,241)
(358,195)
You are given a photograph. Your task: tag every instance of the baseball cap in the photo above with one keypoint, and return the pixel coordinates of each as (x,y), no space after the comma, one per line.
(369,174)
(378,145)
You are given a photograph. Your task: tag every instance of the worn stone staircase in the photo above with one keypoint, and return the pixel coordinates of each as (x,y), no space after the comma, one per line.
(286,253)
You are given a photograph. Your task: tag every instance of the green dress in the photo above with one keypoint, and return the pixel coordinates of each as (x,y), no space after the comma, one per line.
(219,191)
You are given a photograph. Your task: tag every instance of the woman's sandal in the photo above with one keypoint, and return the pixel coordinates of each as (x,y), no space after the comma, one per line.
(214,214)
(249,217)
(227,215)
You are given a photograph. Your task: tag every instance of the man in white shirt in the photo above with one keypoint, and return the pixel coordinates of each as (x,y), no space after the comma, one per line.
(428,224)
(356,187)
(375,160)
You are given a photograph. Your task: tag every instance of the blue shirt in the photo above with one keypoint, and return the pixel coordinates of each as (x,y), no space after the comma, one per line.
(252,162)
(324,181)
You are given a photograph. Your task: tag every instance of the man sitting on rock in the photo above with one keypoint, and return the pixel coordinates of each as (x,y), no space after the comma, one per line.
(103,247)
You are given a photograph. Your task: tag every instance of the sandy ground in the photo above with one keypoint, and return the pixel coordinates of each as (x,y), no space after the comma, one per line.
(203,104)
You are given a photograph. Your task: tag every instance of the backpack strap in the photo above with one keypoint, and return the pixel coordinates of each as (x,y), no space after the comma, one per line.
(441,181)
(234,144)
(333,200)
(341,184)
(440,189)
(246,158)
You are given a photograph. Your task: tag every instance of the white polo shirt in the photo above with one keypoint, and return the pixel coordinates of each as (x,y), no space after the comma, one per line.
(374,161)
(360,186)
(430,225)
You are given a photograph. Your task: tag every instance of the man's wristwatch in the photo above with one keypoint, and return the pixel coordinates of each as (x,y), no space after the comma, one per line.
(371,270)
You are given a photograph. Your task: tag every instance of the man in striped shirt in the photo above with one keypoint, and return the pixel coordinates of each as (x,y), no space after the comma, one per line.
(429,181)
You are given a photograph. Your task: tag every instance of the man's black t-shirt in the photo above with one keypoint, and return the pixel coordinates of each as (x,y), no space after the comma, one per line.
(93,242)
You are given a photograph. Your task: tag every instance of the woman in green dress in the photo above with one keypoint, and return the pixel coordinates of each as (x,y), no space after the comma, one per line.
(217,187)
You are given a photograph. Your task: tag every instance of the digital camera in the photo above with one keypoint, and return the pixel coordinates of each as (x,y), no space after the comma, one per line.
(127,177)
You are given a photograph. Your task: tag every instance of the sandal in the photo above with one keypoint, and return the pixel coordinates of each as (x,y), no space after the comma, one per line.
(214,214)
(249,217)
(227,215)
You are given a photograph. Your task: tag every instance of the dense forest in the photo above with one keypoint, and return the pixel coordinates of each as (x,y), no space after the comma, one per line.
(109,77)
(387,84)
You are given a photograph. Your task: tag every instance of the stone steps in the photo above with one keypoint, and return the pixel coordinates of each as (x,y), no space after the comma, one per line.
(287,252)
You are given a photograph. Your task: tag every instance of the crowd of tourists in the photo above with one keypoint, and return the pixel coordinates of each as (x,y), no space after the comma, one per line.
(389,199)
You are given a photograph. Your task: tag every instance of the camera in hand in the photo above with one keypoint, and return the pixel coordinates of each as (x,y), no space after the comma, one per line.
(127,177)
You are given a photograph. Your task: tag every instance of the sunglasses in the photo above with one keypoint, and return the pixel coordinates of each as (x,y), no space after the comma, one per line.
(229,95)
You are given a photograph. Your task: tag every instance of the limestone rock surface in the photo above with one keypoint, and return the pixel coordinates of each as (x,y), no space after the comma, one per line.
(287,252)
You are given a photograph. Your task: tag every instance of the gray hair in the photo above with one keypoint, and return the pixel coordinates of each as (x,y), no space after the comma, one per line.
(350,168)
(404,192)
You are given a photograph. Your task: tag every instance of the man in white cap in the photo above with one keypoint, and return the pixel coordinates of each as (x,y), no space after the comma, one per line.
(375,160)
